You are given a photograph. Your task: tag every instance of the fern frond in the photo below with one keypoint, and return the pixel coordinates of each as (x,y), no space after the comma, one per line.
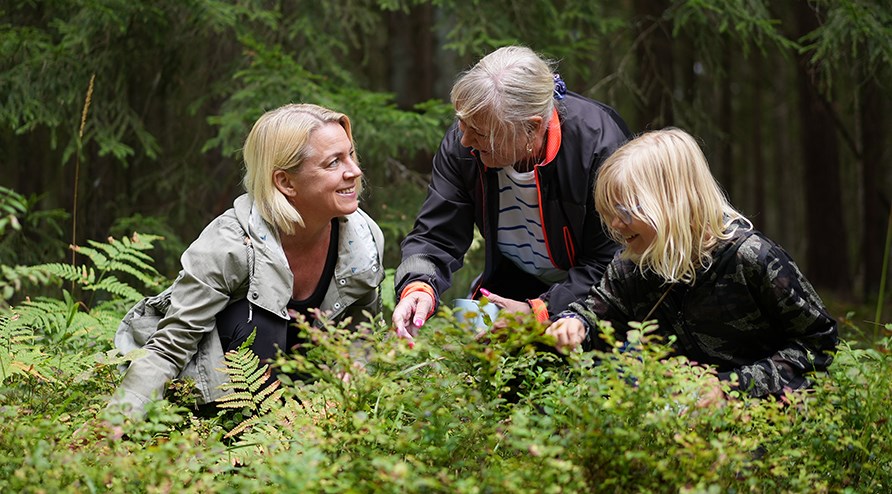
(257,378)
(110,249)
(21,351)
(98,258)
(241,427)
(139,268)
(118,256)
(139,241)
(114,286)
(125,256)
(42,314)
(251,389)
(243,403)
(78,274)
(59,321)
(272,402)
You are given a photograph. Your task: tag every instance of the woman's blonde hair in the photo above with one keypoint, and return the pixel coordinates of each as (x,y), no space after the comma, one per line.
(280,140)
(503,91)
(662,178)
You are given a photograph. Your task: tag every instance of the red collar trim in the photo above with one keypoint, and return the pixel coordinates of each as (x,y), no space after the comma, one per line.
(553,144)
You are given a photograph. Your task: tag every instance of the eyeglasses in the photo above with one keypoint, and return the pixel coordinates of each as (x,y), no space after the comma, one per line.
(624,214)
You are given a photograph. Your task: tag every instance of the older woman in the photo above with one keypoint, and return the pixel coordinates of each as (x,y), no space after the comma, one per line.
(295,242)
(519,164)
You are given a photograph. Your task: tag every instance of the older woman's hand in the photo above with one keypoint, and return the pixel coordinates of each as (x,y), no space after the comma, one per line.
(569,332)
(411,313)
(507,304)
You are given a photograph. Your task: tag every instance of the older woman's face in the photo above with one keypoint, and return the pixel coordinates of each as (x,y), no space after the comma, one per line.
(325,183)
(503,151)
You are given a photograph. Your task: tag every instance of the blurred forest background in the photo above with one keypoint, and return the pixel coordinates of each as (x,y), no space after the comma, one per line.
(791,100)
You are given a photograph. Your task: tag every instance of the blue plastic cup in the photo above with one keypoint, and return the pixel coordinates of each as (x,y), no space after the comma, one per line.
(472,312)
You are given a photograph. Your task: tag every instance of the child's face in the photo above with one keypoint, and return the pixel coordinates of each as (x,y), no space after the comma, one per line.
(637,234)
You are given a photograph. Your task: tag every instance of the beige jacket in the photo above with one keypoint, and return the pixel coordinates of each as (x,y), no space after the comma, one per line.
(237,255)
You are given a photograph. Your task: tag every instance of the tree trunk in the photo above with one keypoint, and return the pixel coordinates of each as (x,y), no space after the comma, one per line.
(757,119)
(655,64)
(827,261)
(726,122)
(876,207)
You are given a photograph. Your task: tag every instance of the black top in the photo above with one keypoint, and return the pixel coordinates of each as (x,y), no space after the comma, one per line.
(312,302)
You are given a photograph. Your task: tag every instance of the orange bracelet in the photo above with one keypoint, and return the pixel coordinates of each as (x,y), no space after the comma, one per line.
(540,310)
(420,286)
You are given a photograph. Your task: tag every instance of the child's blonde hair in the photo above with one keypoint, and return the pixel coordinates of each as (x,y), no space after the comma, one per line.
(662,178)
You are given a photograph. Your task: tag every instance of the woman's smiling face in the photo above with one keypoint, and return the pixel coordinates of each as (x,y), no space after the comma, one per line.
(326,181)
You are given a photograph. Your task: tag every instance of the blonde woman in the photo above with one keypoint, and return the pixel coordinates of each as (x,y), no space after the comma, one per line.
(296,242)
(733,298)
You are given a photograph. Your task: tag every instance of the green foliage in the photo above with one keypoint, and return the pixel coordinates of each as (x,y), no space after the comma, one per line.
(28,234)
(252,391)
(748,23)
(464,414)
(569,31)
(125,256)
(54,340)
(854,34)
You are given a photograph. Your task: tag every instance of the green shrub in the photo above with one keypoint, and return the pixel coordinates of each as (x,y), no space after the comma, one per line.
(457,413)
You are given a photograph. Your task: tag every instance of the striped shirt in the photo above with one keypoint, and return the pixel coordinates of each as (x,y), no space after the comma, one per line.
(520,235)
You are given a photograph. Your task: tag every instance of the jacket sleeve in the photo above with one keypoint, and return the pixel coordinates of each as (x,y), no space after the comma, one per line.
(598,248)
(214,266)
(795,311)
(604,302)
(444,227)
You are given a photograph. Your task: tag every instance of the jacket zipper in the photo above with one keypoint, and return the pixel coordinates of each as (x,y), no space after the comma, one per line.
(568,243)
(542,217)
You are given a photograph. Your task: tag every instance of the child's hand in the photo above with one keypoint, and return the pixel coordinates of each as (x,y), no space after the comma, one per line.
(569,332)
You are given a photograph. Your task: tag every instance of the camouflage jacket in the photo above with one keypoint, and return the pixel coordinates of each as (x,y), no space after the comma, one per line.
(752,313)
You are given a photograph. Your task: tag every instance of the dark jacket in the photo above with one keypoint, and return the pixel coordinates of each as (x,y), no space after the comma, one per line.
(752,313)
(463,193)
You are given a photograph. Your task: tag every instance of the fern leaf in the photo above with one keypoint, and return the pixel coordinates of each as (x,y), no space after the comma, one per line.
(245,403)
(242,426)
(272,402)
(136,267)
(141,241)
(114,286)
(263,393)
(67,272)
(120,257)
(98,258)
(258,378)
(110,249)
(248,379)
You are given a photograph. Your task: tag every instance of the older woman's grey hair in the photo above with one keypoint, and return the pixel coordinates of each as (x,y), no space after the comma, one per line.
(504,90)
(279,141)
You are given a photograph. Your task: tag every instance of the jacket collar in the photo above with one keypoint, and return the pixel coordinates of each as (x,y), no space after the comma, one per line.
(553,138)
(354,258)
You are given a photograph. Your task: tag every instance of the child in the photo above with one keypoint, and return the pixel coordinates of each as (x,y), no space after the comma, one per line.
(733,298)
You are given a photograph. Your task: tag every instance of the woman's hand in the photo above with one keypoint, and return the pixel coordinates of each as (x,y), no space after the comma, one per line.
(411,313)
(569,332)
(507,304)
